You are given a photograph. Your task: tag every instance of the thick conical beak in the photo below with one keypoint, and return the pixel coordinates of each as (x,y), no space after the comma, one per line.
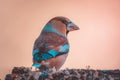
(71,27)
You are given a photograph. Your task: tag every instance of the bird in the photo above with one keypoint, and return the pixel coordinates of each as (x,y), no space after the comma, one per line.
(51,48)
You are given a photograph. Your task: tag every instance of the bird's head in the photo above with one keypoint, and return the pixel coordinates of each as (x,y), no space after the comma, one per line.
(63,24)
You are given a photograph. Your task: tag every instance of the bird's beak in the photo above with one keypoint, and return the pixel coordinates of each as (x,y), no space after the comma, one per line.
(71,27)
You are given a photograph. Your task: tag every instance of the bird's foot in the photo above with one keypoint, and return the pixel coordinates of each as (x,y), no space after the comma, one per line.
(54,70)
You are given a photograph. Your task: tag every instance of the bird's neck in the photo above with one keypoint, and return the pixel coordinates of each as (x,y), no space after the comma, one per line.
(50,28)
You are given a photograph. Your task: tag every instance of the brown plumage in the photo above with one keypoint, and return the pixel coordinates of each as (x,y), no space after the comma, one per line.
(51,47)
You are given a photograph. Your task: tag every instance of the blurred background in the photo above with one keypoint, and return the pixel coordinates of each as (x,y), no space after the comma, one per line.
(97,43)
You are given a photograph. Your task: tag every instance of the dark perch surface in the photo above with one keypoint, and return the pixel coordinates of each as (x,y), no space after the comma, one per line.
(23,73)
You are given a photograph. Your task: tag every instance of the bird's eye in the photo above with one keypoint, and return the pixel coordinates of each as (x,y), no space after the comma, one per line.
(65,22)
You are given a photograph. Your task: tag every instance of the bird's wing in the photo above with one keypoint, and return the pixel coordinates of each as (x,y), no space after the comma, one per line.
(50,45)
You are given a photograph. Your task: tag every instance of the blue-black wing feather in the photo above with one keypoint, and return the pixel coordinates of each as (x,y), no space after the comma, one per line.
(49,45)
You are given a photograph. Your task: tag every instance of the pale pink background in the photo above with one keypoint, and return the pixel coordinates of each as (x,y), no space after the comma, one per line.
(97,43)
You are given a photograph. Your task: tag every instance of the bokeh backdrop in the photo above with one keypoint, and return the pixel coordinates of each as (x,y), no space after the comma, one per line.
(97,43)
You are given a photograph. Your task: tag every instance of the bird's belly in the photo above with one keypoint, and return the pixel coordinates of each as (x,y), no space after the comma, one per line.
(57,62)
